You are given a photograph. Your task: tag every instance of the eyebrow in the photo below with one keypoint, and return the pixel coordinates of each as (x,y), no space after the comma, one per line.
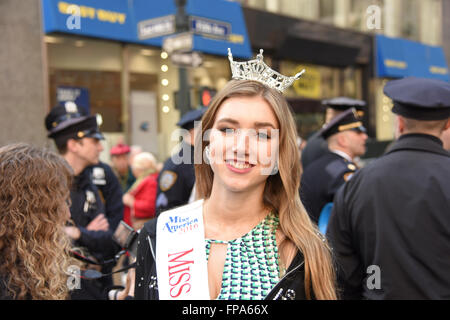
(256,124)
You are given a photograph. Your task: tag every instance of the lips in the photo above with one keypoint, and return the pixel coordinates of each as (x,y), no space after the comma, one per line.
(239,166)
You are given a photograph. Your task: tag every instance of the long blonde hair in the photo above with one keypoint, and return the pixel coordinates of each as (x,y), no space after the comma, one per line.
(282,189)
(34,249)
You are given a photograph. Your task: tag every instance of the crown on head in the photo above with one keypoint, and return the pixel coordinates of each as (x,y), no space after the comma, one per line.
(257,70)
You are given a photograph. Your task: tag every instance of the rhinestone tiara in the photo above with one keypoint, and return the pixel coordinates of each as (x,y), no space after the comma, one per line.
(257,70)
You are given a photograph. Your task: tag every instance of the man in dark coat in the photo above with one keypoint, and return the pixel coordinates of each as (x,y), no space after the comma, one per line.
(177,178)
(390,225)
(77,138)
(346,138)
(316,145)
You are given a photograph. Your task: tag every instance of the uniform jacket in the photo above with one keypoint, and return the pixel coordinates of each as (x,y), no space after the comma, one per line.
(176,180)
(110,192)
(321,180)
(290,287)
(316,147)
(86,205)
(391,224)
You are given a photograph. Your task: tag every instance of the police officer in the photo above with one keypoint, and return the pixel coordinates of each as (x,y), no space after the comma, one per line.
(346,137)
(77,138)
(110,192)
(390,225)
(316,145)
(177,177)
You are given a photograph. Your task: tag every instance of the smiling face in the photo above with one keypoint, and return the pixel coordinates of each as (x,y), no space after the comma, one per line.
(243,143)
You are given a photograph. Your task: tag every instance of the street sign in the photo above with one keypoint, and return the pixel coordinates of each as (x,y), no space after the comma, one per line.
(187,59)
(156,27)
(210,28)
(181,42)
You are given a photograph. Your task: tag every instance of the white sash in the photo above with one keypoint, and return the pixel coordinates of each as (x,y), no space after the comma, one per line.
(181,255)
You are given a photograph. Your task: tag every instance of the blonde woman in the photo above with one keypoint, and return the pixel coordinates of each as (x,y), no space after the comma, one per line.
(34,248)
(140,199)
(249,237)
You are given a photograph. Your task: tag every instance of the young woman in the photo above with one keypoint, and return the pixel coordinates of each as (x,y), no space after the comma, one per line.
(34,248)
(256,237)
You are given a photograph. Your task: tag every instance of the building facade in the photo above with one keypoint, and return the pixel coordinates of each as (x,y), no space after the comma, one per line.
(110,58)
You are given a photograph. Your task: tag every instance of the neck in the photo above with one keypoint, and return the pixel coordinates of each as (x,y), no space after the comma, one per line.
(77,166)
(340,150)
(229,215)
(436,133)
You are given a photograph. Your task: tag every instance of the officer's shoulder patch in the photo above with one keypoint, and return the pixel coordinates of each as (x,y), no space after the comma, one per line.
(98,176)
(167,180)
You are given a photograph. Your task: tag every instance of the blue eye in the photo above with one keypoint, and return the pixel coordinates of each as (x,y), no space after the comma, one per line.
(227,130)
(263,136)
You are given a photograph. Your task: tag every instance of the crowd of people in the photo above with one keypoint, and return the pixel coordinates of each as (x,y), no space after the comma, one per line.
(260,217)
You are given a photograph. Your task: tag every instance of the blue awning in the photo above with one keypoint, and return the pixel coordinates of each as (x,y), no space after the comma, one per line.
(398,58)
(216,24)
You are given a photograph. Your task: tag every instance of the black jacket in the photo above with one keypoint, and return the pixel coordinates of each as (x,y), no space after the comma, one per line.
(290,287)
(391,223)
(321,180)
(86,205)
(176,180)
(316,146)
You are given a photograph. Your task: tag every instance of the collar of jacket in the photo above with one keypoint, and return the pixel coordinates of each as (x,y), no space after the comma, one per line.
(419,142)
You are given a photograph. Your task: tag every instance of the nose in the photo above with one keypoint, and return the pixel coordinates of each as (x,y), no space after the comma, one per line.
(365,136)
(241,142)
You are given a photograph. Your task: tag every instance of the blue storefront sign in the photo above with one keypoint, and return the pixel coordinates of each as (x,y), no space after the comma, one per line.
(216,24)
(398,58)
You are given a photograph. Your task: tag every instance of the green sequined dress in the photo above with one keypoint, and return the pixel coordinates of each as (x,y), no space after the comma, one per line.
(251,267)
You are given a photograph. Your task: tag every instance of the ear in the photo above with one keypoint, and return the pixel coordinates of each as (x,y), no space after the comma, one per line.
(72,145)
(400,125)
(342,139)
(447,125)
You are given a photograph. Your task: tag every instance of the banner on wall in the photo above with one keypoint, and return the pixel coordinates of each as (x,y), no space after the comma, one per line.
(76,94)
(309,84)
(398,58)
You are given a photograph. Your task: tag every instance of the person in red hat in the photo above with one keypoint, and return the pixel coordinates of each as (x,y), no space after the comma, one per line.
(120,163)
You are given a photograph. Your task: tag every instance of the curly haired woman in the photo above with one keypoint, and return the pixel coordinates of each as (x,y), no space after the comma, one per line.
(34,188)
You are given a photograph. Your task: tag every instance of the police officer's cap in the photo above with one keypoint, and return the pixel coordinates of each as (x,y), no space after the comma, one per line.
(188,119)
(66,122)
(419,98)
(348,120)
(344,103)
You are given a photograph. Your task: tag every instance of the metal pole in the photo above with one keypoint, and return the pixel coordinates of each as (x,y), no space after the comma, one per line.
(182,25)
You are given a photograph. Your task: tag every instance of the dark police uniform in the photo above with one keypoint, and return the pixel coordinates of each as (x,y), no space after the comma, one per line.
(110,192)
(390,225)
(316,146)
(326,175)
(176,180)
(64,123)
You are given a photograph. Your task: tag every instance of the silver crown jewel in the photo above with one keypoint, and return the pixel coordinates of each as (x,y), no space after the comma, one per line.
(257,70)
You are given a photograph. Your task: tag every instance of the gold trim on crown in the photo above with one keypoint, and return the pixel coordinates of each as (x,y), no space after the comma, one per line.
(257,70)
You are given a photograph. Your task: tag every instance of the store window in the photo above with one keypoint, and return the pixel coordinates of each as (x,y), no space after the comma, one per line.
(318,83)
(88,72)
